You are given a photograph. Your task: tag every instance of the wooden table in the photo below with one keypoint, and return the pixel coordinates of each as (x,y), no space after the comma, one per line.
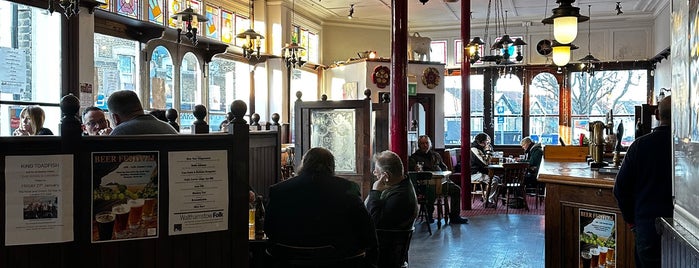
(439,177)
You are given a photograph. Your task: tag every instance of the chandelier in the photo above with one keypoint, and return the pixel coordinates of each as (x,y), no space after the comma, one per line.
(503,48)
(292,52)
(252,44)
(588,62)
(190,21)
(565,21)
(70,7)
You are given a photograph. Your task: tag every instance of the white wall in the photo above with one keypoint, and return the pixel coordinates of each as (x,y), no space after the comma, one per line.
(661,40)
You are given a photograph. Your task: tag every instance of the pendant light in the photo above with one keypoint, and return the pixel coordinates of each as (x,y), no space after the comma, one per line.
(565,21)
(589,60)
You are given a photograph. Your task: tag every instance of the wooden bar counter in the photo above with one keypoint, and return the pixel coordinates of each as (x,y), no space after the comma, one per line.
(572,186)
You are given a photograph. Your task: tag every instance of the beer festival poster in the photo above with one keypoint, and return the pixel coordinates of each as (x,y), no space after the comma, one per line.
(38,199)
(124,195)
(597,237)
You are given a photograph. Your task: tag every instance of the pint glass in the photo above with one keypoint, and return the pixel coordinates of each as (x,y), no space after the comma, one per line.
(105,224)
(121,220)
(135,213)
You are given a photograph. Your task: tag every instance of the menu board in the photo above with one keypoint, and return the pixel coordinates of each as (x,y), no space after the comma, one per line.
(13,74)
(198,191)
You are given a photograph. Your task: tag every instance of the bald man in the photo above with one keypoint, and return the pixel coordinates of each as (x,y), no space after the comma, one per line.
(643,187)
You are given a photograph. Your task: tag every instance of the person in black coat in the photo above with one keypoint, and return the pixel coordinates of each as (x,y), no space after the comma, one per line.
(317,208)
(643,186)
(480,148)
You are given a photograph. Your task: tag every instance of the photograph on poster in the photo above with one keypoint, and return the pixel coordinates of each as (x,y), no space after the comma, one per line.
(40,207)
(124,195)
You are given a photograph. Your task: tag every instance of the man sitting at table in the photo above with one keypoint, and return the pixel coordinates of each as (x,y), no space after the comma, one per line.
(479,167)
(532,155)
(430,160)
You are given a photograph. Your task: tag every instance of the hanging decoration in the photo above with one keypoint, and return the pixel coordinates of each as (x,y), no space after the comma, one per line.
(503,47)
(430,77)
(381,76)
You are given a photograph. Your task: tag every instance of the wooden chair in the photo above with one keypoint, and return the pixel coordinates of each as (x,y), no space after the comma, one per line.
(393,247)
(512,182)
(282,255)
(477,188)
(419,180)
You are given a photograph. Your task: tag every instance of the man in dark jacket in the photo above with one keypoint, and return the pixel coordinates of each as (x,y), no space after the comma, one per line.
(643,187)
(428,160)
(532,154)
(317,208)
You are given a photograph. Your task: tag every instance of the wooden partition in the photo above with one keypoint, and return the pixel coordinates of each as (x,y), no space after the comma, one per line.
(49,240)
(265,160)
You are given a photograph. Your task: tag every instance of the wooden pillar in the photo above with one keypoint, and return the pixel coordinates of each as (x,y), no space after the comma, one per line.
(399,85)
(465,107)
(252,90)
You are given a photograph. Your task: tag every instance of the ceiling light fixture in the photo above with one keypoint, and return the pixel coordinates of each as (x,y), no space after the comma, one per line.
(565,21)
(588,62)
(292,52)
(618,8)
(351,11)
(503,47)
(190,21)
(561,52)
(253,41)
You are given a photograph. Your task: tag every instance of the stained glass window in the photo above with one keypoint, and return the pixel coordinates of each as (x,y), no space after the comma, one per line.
(241,24)
(213,24)
(128,8)
(227,27)
(155,11)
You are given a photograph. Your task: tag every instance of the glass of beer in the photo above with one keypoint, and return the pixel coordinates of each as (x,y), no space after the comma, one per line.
(105,224)
(136,212)
(251,224)
(610,257)
(603,255)
(121,220)
(149,208)
(585,258)
(594,262)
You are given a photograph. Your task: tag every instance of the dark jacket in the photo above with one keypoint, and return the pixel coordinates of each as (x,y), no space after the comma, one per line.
(432,161)
(643,187)
(44,131)
(478,162)
(394,208)
(312,210)
(534,154)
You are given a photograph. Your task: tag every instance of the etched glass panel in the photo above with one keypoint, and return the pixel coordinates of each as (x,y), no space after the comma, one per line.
(335,130)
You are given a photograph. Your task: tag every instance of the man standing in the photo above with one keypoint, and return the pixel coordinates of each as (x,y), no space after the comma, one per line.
(129,118)
(94,122)
(429,160)
(643,187)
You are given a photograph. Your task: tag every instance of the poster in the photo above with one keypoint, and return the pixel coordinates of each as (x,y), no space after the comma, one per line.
(198,191)
(597,238)
(39,199)
(124,195)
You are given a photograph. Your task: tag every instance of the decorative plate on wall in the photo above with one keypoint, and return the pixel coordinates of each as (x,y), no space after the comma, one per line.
(430,77)
(381,76)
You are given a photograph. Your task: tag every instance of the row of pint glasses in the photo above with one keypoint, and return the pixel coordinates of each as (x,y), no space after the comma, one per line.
(125,219)
(597,257)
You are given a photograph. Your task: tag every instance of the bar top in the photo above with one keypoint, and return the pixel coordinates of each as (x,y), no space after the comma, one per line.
(574,173)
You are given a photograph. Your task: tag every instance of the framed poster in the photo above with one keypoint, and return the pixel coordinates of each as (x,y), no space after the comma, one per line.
(597,238)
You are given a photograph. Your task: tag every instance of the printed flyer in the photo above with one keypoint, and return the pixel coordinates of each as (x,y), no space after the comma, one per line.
(597,239)
(198,191)
(124,195)
(39,199)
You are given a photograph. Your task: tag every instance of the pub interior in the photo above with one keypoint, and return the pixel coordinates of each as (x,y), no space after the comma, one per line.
(279,77)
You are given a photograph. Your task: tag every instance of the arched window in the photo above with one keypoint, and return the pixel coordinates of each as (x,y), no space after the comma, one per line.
(507,114)
(190,89)
(161,85)
(543,108)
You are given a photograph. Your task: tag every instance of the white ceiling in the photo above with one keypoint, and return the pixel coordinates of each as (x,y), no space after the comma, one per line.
(438,14)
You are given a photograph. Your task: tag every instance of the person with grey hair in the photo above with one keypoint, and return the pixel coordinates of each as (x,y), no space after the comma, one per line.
(129,117)
(391,202)
(533,153)
(317,208)
(643,186)
(427,159)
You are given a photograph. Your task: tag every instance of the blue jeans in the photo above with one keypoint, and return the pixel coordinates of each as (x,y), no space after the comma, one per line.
(647,244)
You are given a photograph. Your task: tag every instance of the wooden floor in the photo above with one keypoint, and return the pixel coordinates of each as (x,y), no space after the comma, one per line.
(497,240)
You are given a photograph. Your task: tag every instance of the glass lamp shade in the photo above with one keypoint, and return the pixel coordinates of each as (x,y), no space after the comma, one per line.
(561,55)
(565,29)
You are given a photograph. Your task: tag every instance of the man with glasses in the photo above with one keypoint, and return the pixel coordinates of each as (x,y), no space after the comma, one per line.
(94,122)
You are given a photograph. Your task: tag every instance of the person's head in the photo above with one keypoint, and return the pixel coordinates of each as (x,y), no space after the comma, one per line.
(525,142)
(424,143)
(94,120)
(223,127)
(482,139)
(124,105)
(317,160)
(388,167)
(32,119)
(160,114)
(664,112)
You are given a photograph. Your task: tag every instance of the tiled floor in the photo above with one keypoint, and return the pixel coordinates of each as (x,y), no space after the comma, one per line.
(507,241)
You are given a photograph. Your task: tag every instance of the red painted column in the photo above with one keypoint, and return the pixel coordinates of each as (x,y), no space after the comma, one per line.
(398,141)
(465,107)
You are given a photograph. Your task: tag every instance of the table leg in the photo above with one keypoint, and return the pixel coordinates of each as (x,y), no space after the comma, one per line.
(439,212)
